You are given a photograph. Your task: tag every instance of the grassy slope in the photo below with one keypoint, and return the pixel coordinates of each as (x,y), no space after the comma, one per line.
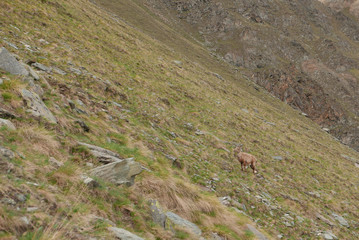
(162,97)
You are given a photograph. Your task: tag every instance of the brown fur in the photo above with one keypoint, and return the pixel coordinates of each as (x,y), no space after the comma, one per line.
(245,159)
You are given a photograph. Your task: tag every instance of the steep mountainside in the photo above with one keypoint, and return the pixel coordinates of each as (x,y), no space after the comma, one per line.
(118,122)
(301,51)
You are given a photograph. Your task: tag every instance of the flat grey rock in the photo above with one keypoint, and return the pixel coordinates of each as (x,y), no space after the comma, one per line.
(119,172)
(33,74)
(123,234)
(8,63)
(257,233)
(174,219)
(41,67)
(341,220)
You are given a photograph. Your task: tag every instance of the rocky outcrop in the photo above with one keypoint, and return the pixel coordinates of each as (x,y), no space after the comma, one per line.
(36,106)
(119,172)
(116,170)
(8,63)
(123,234)
(304,58)
(169,220)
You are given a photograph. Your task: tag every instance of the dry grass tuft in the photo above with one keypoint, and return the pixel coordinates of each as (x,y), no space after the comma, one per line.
(176,196)
(40,140)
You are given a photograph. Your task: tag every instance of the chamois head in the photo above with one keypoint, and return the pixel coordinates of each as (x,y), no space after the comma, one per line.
(238,148)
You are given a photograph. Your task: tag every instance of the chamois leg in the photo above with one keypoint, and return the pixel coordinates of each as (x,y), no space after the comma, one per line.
(253,166)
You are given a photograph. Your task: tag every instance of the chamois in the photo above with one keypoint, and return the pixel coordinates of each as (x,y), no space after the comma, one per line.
(245,159)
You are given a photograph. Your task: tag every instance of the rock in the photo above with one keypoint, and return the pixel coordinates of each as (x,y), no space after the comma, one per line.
(88,164)
(119,172)
(55,163)
(270,123)
(226,201)
(43,41)
(6,154)
(95,219)
(173,134)
(178,63)
(32,209)
(6,114)
(8,201)
(25,220)
(288,220)
(279,158)
(9,64)
(341,220)
(326,129)
(158,216)
(7,123)
(75,70)
(175,220)
(36,88)
(37,106)
(356,165)
(102,155)
(117,104)
(90,182)
(215,236)
(257,233)
(59,71)
(199,132)
(189,126)
(123,234)
(41,67)
(83,125)
(21,197)
(314,194)
(218,76)
(33,74)
(327,235)
(245,110)
(300,219)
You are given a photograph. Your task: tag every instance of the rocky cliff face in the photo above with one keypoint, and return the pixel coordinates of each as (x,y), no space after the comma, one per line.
(338,5)
(301,51)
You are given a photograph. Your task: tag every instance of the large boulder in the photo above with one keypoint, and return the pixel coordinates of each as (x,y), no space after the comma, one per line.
(119,172)
(36,106)
(123,234)
(9,63)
